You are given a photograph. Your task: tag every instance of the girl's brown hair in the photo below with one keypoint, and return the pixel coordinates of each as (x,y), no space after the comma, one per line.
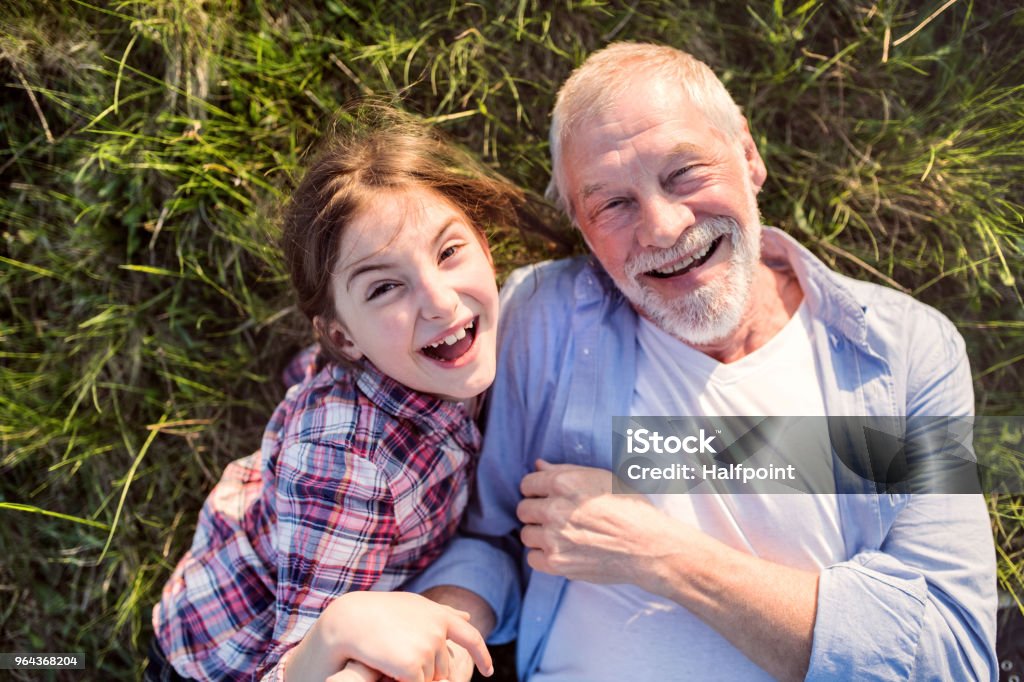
(372,147)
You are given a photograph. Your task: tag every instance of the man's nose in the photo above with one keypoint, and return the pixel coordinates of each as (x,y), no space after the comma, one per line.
(662,222)
(438,298)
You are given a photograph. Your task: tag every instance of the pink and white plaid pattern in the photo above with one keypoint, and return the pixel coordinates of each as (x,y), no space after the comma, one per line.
(358,485)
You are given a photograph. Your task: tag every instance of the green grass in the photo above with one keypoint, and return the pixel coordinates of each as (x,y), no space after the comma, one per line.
(144,312)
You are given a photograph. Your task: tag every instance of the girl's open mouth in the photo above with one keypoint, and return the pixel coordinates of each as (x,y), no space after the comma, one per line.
(453,347)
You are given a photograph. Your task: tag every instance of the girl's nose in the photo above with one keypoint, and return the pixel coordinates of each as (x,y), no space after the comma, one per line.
(439,300)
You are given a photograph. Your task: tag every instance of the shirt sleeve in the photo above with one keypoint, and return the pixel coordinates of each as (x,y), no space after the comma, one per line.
(335,528)
(922,606)
(485,568)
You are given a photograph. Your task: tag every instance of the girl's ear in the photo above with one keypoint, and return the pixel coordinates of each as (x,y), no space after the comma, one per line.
(333,333)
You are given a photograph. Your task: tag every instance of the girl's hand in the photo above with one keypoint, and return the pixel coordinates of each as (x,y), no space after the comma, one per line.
(354,671)
(460,665)
(402,635)
(460,669)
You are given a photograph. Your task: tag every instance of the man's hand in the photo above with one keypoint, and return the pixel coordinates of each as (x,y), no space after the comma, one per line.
(575,527)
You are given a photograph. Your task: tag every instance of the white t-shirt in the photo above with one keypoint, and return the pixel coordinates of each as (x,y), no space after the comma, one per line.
(620,632)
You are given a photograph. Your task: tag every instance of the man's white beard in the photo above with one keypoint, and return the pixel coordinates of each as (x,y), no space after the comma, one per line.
(712,311)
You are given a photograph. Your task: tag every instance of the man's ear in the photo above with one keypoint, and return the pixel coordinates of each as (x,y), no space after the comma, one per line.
(334,334)
(755,165)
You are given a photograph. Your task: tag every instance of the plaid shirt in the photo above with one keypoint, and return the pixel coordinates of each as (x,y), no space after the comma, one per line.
(358,485)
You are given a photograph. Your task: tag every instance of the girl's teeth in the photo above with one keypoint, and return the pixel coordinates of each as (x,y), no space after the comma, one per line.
(453,338)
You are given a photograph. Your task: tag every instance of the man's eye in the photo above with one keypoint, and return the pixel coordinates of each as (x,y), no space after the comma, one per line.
(613,204)
(680,172)
(380,290)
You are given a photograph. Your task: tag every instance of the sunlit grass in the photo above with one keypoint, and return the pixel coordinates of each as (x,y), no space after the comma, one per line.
(144,312)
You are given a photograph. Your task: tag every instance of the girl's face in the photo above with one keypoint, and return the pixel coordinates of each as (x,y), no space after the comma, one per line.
(414,291)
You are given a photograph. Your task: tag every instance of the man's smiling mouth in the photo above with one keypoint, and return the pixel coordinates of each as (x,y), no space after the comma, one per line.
(684,266)
(453,346)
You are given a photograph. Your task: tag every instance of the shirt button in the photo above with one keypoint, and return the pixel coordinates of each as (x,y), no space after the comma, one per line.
(579,447)
(586,351)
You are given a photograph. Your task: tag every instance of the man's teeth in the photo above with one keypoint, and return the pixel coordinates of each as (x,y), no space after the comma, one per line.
(685,263)
(452,339)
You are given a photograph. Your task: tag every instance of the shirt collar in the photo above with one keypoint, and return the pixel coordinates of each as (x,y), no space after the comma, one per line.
(826,296)
(428,413)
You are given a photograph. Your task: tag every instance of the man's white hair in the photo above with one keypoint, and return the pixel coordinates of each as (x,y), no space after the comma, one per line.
(605,75)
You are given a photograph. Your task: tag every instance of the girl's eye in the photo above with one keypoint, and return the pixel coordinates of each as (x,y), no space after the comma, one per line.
(380,290)
(448,253)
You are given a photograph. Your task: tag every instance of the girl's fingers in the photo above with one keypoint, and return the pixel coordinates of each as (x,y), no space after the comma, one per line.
(468,637)
(354,671)
(464,615)
(441,664)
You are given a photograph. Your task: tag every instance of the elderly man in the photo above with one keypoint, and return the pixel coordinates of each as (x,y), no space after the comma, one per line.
(687,307)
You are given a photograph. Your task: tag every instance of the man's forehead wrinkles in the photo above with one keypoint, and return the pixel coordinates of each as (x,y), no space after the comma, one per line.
(623,127)
(630,164)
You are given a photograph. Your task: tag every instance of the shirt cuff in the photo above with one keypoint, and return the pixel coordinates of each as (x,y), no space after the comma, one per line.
(275,674)
(480,567)
(869,618)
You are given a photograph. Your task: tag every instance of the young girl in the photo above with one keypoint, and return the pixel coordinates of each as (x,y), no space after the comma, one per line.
(363,471)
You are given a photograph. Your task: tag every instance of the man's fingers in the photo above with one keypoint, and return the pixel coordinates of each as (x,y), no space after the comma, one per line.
(531,536)
(544,465)
(538,561)
(566,480)
(468,637)
(536,484)
(532,510)
(354,671)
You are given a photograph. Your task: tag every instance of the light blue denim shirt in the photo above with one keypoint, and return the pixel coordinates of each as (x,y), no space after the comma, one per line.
(916,597)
